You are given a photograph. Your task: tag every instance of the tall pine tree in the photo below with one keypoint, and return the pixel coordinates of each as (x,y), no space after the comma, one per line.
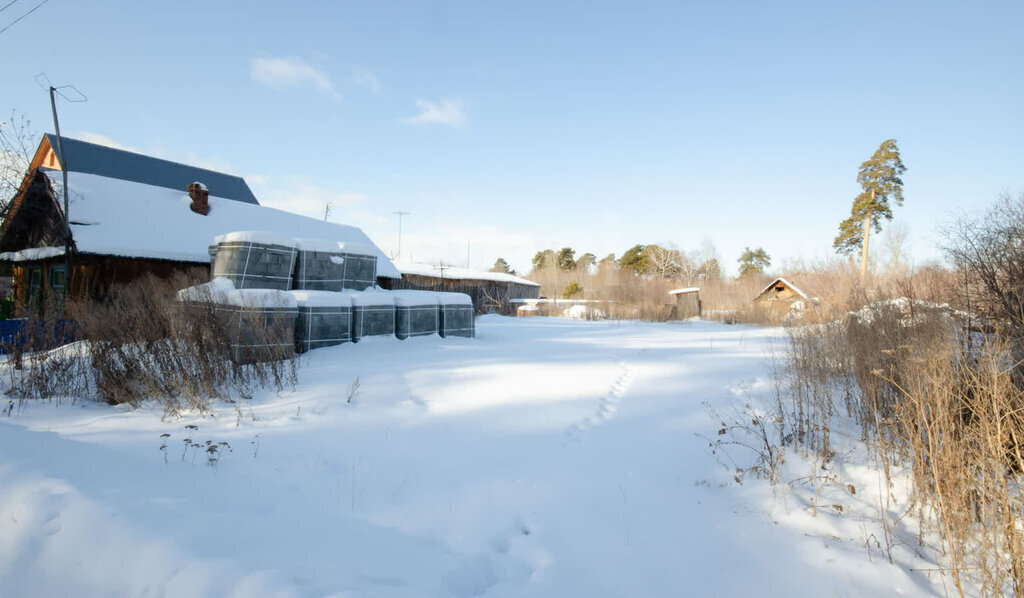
(634,259)
(880,180)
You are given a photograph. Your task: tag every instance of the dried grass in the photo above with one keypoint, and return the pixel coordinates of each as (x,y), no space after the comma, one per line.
(140,343)
(923,400)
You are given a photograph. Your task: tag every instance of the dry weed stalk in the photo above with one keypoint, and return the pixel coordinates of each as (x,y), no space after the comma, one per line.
(140,343)
(922,399)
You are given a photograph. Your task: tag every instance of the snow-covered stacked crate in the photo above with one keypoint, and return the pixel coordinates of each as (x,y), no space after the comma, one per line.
(456,315)
(373,314)
(259,324)
(254,260)
(416,313)
(333,266)
(324,319)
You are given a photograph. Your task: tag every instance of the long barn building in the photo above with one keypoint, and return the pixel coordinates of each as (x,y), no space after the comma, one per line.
(492,292)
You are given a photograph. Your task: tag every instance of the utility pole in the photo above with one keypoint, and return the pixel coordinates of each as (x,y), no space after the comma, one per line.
(80,97)
(400,213)
(327,211)
(64,176)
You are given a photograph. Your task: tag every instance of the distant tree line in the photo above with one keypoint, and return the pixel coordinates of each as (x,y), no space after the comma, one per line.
(650,261)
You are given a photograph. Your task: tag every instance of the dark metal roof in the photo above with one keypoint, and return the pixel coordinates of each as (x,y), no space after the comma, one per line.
(92,158)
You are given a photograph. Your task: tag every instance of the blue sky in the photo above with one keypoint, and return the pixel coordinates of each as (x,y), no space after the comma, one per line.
(508,127)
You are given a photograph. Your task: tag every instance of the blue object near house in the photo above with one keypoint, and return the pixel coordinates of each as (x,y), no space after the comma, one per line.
(36,335)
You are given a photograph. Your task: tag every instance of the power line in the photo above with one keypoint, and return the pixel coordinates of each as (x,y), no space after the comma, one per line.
(6,6)
(36,7)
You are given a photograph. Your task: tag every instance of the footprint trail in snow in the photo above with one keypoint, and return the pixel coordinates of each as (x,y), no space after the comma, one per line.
(606,407)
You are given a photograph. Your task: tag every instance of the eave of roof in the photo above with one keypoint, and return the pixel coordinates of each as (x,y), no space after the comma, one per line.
(453,273)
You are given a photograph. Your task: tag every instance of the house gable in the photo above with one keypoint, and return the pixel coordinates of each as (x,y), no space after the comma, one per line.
(36,220)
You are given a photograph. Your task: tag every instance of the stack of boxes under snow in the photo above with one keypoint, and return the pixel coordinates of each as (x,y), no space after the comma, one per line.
(306,294)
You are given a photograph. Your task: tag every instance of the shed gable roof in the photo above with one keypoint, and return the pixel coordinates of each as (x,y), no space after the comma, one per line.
(785,282)
(91,158)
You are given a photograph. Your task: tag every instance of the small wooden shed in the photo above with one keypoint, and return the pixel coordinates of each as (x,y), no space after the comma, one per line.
(687,303)
(782,294)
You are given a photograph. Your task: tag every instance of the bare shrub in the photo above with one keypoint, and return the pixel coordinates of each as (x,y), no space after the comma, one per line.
(988,251)
(141,343)
(751,430)
(921,399)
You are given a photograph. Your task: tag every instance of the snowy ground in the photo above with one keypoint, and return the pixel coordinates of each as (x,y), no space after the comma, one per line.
(547,457)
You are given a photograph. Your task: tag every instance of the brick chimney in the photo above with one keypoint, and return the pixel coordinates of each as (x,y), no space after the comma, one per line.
(200,198)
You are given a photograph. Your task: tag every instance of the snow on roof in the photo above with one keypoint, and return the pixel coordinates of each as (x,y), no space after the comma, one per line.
(686,290)
(792,287)
(460,273)
(116,217)
(31,254)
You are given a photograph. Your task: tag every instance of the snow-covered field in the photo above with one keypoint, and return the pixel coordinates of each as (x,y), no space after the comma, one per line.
(547,457)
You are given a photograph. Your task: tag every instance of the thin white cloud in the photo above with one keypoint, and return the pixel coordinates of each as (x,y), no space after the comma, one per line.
(100,139)
(365,78)
(280,73)
(449,112)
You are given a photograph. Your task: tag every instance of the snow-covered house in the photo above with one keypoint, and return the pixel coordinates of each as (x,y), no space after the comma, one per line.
(131,215)
(782,294)
(492,292)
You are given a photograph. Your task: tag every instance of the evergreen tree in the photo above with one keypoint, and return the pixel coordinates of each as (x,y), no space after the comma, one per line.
(879,177)
(500,265)
(634,260)
(567,259)
(586,261)
(607,263)
(753,261)
(544,259)
(573,290)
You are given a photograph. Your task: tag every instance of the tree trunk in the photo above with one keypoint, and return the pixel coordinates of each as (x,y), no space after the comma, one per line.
(864,246)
